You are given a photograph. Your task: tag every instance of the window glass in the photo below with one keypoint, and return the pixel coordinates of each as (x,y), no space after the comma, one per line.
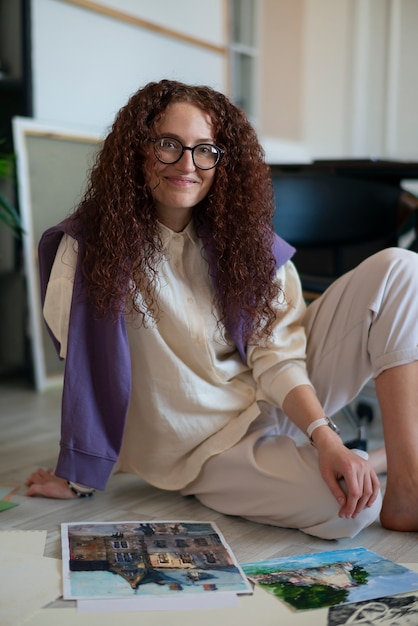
(243,55)
(243,23)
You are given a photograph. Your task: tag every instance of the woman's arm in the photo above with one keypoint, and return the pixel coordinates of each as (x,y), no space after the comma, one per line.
(336,462)
(59,292)
(280,372)
(56,311)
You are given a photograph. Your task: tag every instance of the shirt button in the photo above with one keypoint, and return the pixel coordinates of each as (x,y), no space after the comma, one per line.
(190,300)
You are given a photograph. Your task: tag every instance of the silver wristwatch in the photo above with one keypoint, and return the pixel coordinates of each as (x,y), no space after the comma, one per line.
(323,421)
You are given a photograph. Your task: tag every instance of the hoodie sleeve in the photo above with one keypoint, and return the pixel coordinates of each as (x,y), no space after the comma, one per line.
(97,377)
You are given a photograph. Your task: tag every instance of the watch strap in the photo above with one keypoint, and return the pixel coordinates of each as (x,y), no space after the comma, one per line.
(322,421)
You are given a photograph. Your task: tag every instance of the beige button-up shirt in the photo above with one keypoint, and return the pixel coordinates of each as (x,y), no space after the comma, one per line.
(192,396)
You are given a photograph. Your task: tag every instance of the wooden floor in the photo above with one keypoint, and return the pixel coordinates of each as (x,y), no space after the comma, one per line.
(29,423)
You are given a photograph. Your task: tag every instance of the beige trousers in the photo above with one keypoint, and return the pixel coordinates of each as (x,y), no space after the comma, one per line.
(366,322)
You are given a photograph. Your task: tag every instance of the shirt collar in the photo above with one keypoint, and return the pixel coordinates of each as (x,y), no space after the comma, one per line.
(167,234)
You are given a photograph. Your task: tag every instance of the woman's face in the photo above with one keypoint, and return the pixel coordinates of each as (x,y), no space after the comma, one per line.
(178,187)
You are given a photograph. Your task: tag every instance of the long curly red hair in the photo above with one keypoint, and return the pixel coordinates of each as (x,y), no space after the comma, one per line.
(118,222)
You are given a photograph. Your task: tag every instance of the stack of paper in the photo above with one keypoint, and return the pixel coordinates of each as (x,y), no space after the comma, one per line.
(28,580)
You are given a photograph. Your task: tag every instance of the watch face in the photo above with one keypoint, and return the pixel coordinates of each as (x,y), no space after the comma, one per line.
(333,425)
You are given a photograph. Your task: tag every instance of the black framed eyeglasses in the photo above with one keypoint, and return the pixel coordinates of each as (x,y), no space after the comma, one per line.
(169,150)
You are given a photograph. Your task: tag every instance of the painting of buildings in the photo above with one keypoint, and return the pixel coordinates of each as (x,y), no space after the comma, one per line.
(149,557)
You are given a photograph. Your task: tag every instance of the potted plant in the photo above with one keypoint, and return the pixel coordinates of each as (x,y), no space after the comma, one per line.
(12,281)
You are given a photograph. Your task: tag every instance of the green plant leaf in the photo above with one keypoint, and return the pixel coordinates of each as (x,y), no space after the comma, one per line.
(6,166)
(9,217)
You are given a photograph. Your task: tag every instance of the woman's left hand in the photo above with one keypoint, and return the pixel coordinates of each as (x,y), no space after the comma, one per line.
(44,483)
(337,463)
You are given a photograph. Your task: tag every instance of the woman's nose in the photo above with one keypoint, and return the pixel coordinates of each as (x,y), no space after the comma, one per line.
(186,159)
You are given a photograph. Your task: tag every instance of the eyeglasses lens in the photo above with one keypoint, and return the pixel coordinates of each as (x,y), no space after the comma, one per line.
(168,150)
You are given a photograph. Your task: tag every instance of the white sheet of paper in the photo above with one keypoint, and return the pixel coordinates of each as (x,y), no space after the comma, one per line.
(260,609)
(28,580)
(27,583)
(30,541)
(203,601)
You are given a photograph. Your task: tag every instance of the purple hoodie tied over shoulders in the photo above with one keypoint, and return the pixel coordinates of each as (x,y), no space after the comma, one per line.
(97,378)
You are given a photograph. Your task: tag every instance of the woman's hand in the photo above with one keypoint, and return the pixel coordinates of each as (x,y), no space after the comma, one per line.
(337,463)
(45,483)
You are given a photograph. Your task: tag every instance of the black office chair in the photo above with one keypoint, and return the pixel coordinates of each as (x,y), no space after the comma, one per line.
(335,222)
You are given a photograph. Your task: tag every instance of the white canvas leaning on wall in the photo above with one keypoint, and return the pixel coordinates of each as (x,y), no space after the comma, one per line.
(52,169)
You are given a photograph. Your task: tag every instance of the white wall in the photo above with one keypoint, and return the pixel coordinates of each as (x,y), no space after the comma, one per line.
(346,84)
(198,18)
(86,65)
(343,82)
(402,115)
(327,75)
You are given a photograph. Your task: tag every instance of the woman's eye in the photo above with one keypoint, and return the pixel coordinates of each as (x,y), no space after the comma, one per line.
(168,144)
(205,150)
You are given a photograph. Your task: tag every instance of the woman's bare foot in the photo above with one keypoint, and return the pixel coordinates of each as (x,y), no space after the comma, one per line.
(378,460)
(45,483)
(399,510)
